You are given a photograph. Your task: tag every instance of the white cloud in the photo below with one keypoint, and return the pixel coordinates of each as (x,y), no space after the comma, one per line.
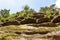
(58,3)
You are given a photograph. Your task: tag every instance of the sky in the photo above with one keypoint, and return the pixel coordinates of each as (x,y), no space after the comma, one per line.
(17,5)
(57,3)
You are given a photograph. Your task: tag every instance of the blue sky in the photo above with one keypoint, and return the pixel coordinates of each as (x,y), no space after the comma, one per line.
(17,5)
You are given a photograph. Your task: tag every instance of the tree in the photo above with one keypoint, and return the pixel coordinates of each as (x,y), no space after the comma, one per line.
(27,12)
(5,13)
(49,11)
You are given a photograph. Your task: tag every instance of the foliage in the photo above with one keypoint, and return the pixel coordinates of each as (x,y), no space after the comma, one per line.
(45,13)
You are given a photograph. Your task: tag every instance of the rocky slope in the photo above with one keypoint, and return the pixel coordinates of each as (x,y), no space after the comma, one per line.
(24,32)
